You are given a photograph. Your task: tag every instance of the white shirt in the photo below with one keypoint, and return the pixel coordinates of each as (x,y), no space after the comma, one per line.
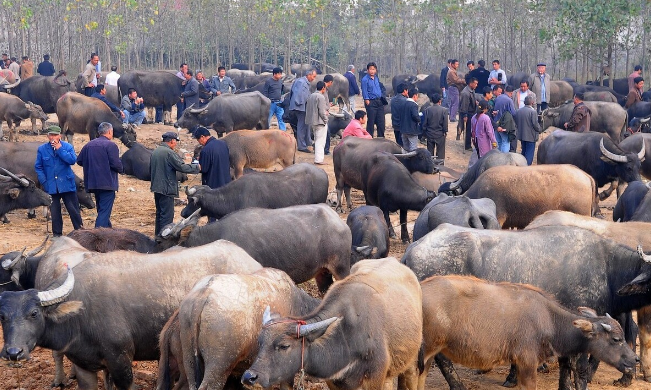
(112,78)
(521,97)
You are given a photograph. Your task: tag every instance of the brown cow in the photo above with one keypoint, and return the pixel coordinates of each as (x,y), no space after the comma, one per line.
(481,324)
(13,111)
(260,149)
(523,193)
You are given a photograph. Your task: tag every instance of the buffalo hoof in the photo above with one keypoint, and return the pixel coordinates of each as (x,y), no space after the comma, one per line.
(406,241)
(61,385)
(31,214)
(5,219)
(392,235)
(624,381)
(508,383)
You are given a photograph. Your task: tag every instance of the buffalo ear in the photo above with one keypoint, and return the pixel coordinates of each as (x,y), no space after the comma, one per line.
(62,311)
(584,326)
(639,285)
(587,312)
(13,193)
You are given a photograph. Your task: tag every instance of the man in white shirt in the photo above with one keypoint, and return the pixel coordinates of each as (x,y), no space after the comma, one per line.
(112,77)
(497,75)
(522,93)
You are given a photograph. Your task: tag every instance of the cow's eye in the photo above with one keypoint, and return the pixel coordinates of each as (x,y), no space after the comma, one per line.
(617,339)
(283,347)
(34,313)
(2,317)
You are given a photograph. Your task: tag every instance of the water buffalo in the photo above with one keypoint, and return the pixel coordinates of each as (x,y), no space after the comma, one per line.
(157,88)
(457,210)
(608,118)
(92,338)
(105,240)
(338,90)
(594,153)
(621,98)
(634,144)
(375,312)
(600,96)
(136,163)
(44,91)
(493,158)
(229,112)
(628,203)
(557,187)
(301,69)
(249,81)
(19,192)
(559,92)
(237,72)
(370,233)
(260,149)
(294,185)
(517,78)
(337,123)
(510,332)
(263,67)
(639,110)
(82,115)
(269,236)
(218,334)
(13,110)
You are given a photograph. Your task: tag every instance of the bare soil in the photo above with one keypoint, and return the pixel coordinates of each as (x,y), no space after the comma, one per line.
(134,209)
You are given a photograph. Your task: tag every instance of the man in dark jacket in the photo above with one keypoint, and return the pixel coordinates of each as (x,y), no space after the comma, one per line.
(397,103)
(528,128)
(409,120)
(467,108)
(443,83)
(45,68)
(100,159)
(353,88)
(213,160)
(580,118)
(481,74)
(100,93)
(164,164)
(435,126)
(190,94)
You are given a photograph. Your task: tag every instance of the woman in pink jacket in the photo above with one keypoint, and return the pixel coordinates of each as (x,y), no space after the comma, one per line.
(483,135)
(356,127)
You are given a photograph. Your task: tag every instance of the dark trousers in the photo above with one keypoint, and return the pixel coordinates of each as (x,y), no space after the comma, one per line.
(528,149)
(326,149)
(453,93)
(164,211)
(542,107)
(88,91)
(72,205)
(436,146)
(375,114)
(180,106)
(465,127)
(159,114)
(396,133)
(104,200)
(514,146)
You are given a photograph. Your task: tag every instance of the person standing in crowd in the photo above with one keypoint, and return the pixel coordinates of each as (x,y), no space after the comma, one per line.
(372,94)
(45,68)
(26,68)
(467,108)
(356,127)
(397,102)
(482,131)
(481,74)
(133,108)
(497,75)
(540,86)
(53,161)
(443,83)
(409,121)
(90,75)
(190,94)
(113,76)
(316,115)
(214,162)
(471,66)
(180,106)
(504,111)
(164,164)
(204,87)
(353,88)
(635,94)
(299,94)
(98,69)
(3,61)
(455,85)
(580,118)
(522,93)
(14,67)
(526,121)
(100,93)
(328,80)
(100,159)
(637,72)
(274,89)
(435,127)
(221,83)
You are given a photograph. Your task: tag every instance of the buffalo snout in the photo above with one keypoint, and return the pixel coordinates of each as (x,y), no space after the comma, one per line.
(13,353)
(249,378)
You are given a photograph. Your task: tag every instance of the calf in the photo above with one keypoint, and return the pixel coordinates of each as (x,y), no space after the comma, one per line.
(18,192)
(13,111)
(501,329)
(369,232)
(260,149)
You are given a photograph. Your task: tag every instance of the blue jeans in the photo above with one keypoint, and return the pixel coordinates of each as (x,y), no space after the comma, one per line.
(135,118)
(278,111)
(503,143)
(104,200)
(180,107)
(527,150)
(159,114)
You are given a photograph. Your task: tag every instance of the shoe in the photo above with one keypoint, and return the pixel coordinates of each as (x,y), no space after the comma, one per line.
(321,163)
(326,154)
(468,149)
(453,120)
(304,150)
(458,136)
(55,235)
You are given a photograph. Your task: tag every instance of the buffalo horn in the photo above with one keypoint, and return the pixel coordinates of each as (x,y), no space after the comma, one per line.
(611,155)
(189,191)
(361,248)
(410,154)
(197,110)
(645,120)
(23,182)
(641,153)
(607,327)
(608,315)
(338,115)
(644,257)
(38,249)
(58,294)
(176,229)
(305,330)
(266,316)
(9,264)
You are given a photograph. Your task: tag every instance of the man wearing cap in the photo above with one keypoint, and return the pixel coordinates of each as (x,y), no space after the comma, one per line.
(100,159)
(580,118)
(540,86)
(273,89)
(528,128)
(45,68)
(53,161)
(164,164)
(353,88)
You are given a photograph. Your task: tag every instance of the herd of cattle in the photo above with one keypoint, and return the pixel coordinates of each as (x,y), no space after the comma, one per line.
(218,305)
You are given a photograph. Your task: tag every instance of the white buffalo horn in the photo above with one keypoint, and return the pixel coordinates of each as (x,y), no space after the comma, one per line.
(176,229)
(611,155)
(305,330)
(410,154)
(644,257)
(58,294)
(641,153)
(38,249)
(645,120)
(607,327)
(23,182)
(197,110)
(9,263)
(190,191)
(361,248)
(266,316)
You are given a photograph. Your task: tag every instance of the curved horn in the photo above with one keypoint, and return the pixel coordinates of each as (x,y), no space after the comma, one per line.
(266,316)
(337,115)
(9,264)
(642,152)
(60,293)
(645,120)
(610,155)
(189,191)
(176,229)
(410,154)
(644,257)
(38,249)
(361,248)
(197,110)
(608,316)
(607,327)
(23,182)
(305,330)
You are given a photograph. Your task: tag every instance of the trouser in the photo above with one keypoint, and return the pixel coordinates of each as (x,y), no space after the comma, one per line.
(375,116)
(104,200)
(164,211)
(453,93)
(135,118)
(513,145)
(278,112)
(436,146)
(464,126)
(351,102)
(303,139)
(72,205)
(159,114)
(88,91)
(542,107)
(180,107)
(503,143)
(319,142)
(409,142)
(528,149)
(396,133)
(326,149)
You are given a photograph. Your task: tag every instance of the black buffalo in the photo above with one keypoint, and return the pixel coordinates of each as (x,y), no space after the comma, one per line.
(44,91)
(629,202)
(633,144)
(639,110)
(370,233)
(136,162)
(157,88)
(18,192)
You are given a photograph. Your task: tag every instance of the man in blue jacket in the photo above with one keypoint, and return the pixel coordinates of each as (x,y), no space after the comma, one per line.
(53,161)
(353,88)
(100,93)
(101,161)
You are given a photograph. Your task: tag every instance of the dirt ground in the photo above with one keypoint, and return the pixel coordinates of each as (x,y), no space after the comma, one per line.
(134,209)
